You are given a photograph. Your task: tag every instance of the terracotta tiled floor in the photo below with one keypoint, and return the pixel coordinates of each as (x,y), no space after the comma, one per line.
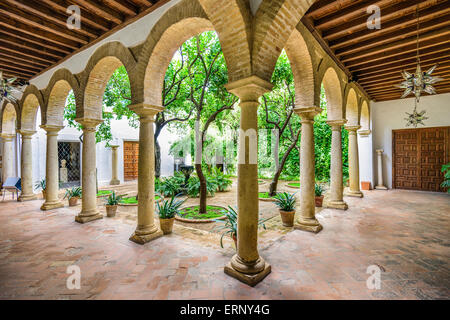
(407,233)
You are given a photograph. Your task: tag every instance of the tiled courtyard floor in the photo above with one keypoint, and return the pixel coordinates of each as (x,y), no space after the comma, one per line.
(406,233)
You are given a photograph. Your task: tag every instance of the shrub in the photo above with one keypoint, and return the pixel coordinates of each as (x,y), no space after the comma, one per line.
(446,183)
(169,208)
(113,200)
(194,186)
(170,186)
(221,180)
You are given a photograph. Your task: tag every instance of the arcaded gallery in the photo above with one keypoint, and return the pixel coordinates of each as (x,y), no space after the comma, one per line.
(225,150)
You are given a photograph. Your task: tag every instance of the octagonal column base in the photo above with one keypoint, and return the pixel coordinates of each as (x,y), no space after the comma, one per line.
(88,217)
(380,188)
(356,194)
(25,197)
(51,205)
(114,182)
(336,204)
(249,279)
(144,238)
(310,225)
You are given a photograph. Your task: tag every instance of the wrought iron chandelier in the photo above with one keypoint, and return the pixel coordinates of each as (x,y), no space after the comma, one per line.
(416,83)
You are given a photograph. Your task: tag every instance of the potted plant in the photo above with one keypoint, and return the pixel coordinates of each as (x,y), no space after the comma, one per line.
(230,227)
(446,170)
(167,210)
(318,191)
(111,204)
(286,203)
(73,195)
(41,185)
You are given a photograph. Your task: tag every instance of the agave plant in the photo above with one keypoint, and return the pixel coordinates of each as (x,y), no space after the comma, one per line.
(318,190)
(113,199)
(169,208)
(40,185)
(285,201)
(72,193)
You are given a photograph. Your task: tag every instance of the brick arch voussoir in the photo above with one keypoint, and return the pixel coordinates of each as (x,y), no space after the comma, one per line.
(352,103)
(31,100)
(334,81)
(17,114)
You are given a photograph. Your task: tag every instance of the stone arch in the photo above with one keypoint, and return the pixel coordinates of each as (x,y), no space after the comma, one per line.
(179,24)
(56,94)
(8,117)
(97,73)
(333,92)
(365,116)
(302,69)
(274,22)
(31,100)
(232,20)
(352,108)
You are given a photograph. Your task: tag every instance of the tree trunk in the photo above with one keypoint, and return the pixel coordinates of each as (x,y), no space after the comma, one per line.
(274,183)
(203,195)
(157,159)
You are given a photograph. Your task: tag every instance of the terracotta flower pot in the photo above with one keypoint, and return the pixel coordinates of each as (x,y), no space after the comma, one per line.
(166,225)
(319,201)
(365,185)
(44,194)
(235,240)
(73,201)
(287,217)
(111,210)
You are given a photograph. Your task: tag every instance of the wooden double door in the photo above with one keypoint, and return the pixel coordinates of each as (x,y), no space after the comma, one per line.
(130,159)
(418,156)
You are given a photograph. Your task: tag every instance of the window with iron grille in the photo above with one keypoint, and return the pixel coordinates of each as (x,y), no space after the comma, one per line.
(69,164)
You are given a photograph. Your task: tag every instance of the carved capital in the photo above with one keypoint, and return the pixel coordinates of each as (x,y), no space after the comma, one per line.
(249,89)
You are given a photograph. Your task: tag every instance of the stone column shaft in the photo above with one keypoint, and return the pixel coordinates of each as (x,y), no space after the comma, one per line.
(307,220)
(336,180)
(353,162)
(27,167)
(89,211)
(52,200)
(246,265)
(146,228)
(380,184)
(8,157)
(115,166)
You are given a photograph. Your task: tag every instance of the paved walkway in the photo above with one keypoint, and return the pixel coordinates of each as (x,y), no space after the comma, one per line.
(405,233)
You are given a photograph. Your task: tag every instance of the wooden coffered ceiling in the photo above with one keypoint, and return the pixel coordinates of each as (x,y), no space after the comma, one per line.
(375,58)
(34,35)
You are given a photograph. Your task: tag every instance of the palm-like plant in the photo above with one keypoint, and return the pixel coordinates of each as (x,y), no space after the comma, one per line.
(72,193)
(318,190)
(285,201)
(113,199)
(446,170)
(40,185)
(169,208)
(169,186)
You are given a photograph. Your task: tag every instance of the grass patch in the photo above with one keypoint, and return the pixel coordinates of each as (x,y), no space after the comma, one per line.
(212,212)
(294,184)
(261,181)
(132,200)
(104,192)
(264,195)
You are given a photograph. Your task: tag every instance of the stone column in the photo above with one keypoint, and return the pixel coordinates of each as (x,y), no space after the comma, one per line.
(247,266)
(353,162)
(52,200)
(27,167)
(380,185)
(307,218)
(8,157)
(336,181)
(146,229)
(89,211)
(115,166)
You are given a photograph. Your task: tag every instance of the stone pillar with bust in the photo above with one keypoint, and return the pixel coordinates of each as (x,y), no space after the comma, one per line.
(247,265)
(307,216)
(380,184)
(115,165)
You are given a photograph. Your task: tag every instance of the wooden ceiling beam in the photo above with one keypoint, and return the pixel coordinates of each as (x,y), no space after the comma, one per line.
(11,69)
(33,31)
(443,73)
(42,24)
(390,26)
(31,39)
(392,89)
(123,6)
(19,63)
(86,16)
(100,10)
(366,57)
(16,75)
(406,35)
(321,8)
(51,15)
(40,50)
(143,3)
(24,59)
(390,13)
(25,52)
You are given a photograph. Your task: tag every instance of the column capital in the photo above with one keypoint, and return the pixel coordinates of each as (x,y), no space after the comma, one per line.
(88,123)
(307,114)
(352,128)
(249,89)
(114,146)
(364,133)
(51,128)
(26,133)
(144,110)
(7,136)
(379,151)
(336,123)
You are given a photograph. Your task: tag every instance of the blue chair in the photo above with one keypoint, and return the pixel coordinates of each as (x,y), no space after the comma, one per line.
(13,185)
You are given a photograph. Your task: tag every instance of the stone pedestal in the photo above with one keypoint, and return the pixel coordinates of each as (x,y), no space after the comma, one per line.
(353,162)
(27,167)
(146,228)
(115,166)
(52,200)
(307,218)
(336,196)
(247,266)
(63,177)
(380,185)
(89,210)
(8,156)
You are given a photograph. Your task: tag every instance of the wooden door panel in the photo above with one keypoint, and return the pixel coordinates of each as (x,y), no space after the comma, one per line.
(130,160)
